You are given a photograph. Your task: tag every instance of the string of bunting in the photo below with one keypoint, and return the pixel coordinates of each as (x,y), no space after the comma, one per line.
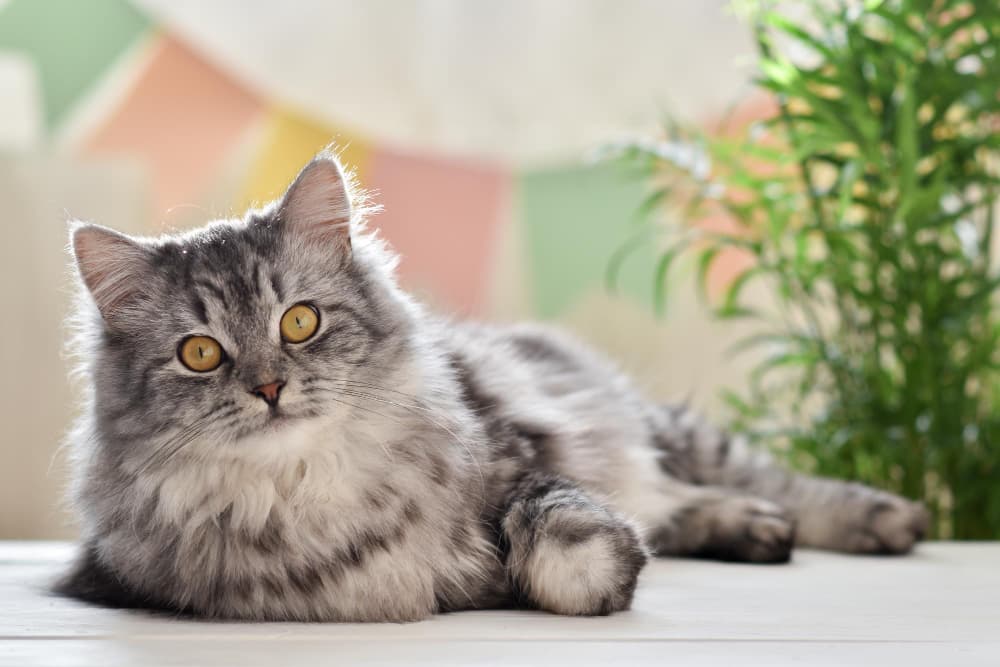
(206,141)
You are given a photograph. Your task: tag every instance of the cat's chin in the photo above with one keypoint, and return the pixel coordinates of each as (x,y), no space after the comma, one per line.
(282,436)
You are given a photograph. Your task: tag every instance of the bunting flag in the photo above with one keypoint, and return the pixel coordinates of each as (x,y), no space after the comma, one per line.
(575,219)
(59,36)
(443,217)
(181,118)
(471,235)
(731,262)
(290,140)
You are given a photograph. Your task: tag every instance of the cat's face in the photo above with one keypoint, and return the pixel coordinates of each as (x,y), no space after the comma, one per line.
(238,329)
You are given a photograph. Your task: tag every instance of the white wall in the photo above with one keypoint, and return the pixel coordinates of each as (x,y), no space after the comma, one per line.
(39,195)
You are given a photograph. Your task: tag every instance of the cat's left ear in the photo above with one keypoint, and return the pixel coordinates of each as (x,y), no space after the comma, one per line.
(318,204)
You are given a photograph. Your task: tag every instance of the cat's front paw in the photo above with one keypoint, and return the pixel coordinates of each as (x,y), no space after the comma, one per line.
(597,576)
(583,565)
(890,525)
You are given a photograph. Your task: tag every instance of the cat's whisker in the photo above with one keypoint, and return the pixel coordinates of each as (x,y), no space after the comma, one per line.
(372,385)
(422,412)
(385,449)
(164,454)
(428,415)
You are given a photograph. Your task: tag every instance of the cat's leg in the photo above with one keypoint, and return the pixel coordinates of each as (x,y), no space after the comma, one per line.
(566,552)
(92,581)
(829,514)
(717,523)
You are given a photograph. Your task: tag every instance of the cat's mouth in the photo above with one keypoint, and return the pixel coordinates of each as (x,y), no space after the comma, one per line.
(276,417)
(275,420)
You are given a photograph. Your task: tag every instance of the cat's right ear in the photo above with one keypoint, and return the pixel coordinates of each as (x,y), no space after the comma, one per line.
(111,265)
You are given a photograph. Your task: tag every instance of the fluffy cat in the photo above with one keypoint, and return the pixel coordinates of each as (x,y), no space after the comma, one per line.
(275,431)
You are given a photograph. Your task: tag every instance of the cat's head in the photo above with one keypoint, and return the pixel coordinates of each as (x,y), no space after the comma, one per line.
(240,328)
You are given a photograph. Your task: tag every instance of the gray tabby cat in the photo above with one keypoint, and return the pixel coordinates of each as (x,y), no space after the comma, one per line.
(275,431)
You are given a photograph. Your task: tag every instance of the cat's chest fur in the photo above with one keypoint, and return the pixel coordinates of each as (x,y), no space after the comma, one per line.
(309,522)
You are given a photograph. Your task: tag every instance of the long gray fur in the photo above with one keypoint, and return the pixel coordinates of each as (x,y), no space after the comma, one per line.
(413,465)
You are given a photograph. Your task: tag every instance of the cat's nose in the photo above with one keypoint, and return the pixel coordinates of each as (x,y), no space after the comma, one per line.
(269,392)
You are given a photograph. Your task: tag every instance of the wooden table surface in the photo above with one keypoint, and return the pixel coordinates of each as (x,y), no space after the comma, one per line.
(940,606)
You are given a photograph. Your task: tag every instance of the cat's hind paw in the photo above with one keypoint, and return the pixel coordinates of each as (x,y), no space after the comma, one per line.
(891,525)
(750,530)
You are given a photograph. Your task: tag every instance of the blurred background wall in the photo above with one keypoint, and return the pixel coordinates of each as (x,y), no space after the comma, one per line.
(471,122)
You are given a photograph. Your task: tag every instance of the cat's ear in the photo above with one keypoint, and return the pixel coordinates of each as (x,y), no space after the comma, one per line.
(112,266)
(317,206)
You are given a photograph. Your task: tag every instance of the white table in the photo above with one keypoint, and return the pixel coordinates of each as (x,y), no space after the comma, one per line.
(940,606)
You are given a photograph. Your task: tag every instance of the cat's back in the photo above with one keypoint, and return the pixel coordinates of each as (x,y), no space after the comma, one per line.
(549,358)
(579,414)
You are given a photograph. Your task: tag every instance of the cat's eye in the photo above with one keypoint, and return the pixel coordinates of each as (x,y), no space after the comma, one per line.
(299,323)
(200,353)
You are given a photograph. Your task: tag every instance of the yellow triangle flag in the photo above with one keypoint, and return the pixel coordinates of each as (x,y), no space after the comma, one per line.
(290,141)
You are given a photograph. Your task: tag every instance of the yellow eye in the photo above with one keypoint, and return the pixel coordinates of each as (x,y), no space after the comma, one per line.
(200,353)
(299,323)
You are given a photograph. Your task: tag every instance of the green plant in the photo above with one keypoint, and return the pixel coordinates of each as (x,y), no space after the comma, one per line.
(867,205)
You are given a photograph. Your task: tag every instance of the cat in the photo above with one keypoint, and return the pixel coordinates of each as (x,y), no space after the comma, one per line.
(274,430)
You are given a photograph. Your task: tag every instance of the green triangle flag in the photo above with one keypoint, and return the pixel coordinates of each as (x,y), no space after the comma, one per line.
(71,42)
(575,219)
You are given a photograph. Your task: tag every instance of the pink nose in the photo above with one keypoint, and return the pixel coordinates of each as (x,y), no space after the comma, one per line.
(269,392)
